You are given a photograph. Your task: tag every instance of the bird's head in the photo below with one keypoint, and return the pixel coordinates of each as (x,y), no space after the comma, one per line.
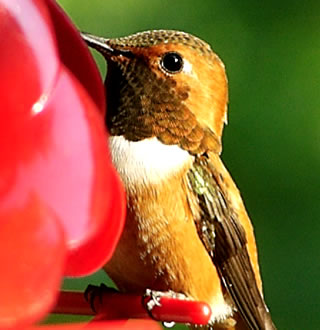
(165,84)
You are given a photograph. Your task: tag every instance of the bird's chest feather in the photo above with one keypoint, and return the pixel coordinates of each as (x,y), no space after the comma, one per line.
(147,161)
(156,209)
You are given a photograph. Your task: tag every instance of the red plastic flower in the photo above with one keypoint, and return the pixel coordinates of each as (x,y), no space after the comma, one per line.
(61,203)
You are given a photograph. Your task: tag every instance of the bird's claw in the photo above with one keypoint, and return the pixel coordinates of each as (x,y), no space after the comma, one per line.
(150,299)
(94,292)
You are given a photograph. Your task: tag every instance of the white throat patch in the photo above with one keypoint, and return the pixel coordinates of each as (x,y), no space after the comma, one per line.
(146,161)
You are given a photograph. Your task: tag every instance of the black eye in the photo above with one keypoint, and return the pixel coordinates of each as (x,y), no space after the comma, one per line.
(172,62)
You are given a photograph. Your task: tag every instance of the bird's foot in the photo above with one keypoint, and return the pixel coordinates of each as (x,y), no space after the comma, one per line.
(94,292)
(152,298)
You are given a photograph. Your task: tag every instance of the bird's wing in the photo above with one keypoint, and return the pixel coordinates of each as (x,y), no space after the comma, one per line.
(224,237)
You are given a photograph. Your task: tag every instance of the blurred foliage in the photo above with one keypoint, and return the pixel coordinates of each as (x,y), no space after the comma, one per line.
(272,143)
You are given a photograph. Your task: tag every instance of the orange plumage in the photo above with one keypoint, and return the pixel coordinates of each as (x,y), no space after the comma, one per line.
(187,229)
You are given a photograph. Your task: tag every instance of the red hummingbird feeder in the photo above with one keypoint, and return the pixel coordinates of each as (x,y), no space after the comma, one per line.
(62,205)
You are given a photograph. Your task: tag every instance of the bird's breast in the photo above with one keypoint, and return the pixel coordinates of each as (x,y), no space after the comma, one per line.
(160,247)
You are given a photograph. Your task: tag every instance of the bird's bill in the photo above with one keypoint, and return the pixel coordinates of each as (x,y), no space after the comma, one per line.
(98,43)
(102,46)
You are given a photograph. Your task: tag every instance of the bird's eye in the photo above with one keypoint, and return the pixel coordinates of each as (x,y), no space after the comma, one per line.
(172,62)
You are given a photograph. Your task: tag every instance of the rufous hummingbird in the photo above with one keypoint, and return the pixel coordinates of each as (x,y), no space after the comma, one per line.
(187,229)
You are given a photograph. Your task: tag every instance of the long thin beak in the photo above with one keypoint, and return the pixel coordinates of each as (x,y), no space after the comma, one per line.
(97,43)
(101,45)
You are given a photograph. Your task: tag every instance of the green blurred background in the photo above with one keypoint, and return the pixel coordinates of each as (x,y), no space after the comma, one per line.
(272,142)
